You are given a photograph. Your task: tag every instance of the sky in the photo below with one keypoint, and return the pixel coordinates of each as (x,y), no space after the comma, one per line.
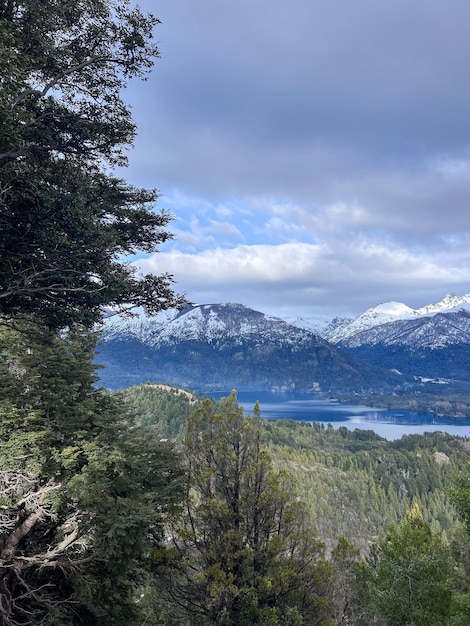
(315,154)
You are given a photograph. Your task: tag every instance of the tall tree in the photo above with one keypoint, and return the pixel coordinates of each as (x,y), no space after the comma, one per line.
(244,550)
(83,490)
(65,221)
(347,568)
(411,575)
(460,495)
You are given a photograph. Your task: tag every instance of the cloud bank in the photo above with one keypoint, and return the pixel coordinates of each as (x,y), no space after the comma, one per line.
(316,155)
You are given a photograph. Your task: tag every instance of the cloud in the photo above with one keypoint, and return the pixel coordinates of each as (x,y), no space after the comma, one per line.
(314,154)
(310,278)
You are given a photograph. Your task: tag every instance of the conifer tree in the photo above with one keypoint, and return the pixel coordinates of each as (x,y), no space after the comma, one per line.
(244,550)
(83,490)
(411,575)
(65,221)
(460,495)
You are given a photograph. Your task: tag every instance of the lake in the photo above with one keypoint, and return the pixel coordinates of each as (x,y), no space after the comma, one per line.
(391,424)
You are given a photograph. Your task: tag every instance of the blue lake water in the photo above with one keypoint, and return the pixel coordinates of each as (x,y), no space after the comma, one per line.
(391,424)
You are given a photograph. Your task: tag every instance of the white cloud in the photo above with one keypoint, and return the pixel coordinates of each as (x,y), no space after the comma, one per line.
(317,157)
(308,277)
(225,229)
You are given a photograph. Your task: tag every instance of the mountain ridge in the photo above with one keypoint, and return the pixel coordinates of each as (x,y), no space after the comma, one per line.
(225,346)
(228,345)
(340,329)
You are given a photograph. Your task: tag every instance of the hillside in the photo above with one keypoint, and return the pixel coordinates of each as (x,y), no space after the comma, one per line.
(355,482)
(224,346)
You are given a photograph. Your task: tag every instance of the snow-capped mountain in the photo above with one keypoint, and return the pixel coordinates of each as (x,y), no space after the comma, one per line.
(137,326)
(225,346)
(436,345)
(449,303)
(433,332)
(206,322)
(340,330)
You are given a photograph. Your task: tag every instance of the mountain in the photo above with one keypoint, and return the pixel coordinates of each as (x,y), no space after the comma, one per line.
(341,329)
(436,345)
(223,346)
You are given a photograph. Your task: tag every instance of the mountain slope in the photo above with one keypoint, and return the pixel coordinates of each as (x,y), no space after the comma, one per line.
(437,346)
(224,346)
(339,330)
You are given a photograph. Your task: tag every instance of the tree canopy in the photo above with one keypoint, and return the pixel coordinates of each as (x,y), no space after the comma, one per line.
(411,574)
(244,551)
(83,489)
(460,494)
(65,222)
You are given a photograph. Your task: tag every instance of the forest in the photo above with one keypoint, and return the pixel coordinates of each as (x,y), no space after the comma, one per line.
(153,506)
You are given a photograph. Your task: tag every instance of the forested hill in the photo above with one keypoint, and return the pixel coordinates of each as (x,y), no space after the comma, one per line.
(355,482)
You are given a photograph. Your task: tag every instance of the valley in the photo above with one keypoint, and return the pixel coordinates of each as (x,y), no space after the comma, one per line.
(355,482)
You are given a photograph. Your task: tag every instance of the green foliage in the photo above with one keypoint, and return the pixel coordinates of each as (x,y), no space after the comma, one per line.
(357,483)
(84,491)
(460,495)
(161,408)
(347,569)
(244,551)
(65,222)
(411,576)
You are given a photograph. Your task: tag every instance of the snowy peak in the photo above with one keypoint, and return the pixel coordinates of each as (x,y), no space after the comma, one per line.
(205,322)
(229,346)
(451,301)
(389,312)
(381,314)
(449,328)
(392,310)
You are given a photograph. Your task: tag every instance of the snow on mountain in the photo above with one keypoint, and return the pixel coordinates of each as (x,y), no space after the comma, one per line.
(136,327)
(451,301)
(229,346)
(376,316)
(214,322)
(389,312)
(440,330)
(206,322)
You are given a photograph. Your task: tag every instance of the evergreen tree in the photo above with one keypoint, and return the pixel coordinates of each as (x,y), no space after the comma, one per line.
(411,575)
(460,495)
(83,490)
(347,568)
(244,551)
(65,221)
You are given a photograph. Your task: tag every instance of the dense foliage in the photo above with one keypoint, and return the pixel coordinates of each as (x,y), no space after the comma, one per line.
(367,489)
(410,574)
(355,482)
(104,520)
(83,490)
(244,550)
(160,408)
(65,221)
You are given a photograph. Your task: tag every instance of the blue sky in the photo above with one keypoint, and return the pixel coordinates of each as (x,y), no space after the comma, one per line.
(315,153)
